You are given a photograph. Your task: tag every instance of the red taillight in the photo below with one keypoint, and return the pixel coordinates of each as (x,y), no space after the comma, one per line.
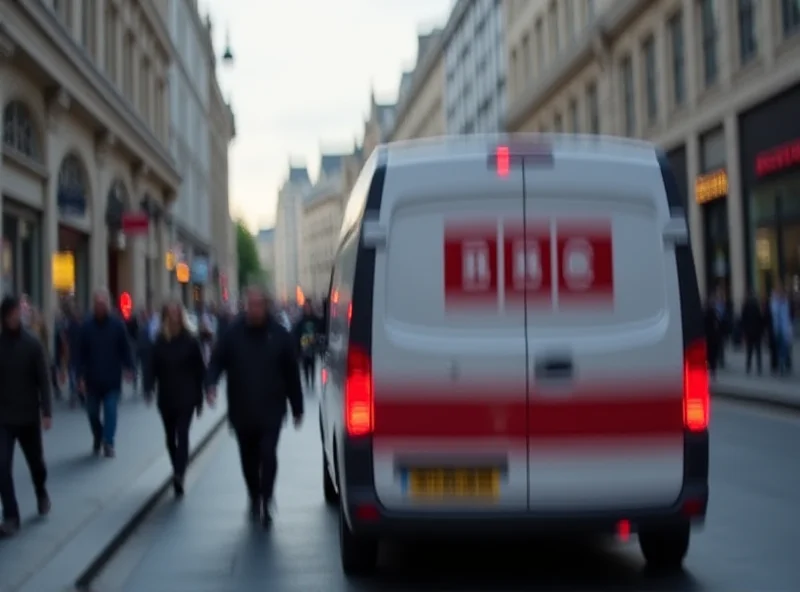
(696,396)
(503,156)
(349,313)
(324,376)
(358,401)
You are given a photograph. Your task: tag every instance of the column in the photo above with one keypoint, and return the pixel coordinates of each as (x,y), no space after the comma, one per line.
(736,216)
(100,34)
(102,181)
(692,61)
(119,41)
(49,230)
(76,19)
(162,246)
(663,74)
(695,214)
(769,35)
(727,42)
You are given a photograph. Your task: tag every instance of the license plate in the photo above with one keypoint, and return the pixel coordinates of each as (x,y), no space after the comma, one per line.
(432,484)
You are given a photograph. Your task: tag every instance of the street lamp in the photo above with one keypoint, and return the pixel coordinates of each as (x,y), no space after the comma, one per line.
(227,56)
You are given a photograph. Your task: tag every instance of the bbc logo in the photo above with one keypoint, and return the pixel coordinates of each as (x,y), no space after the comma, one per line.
(543,263)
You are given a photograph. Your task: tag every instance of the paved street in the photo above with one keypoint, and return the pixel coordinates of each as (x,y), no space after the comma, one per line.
(206,543)
(81,485)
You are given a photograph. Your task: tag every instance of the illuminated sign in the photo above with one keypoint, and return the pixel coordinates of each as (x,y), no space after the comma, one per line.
(170,260)
(182,273)
(778,159)
(711,186)
(64,271)
(126,305)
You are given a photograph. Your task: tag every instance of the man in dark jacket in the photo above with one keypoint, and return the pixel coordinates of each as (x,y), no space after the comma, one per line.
(752,323)
(258,357)
(105,355)
(25,409)
(306,334)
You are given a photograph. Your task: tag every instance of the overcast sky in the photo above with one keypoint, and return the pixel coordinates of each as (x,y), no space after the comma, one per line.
(301,80)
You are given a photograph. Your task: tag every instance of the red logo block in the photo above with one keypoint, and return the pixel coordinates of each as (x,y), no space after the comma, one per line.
(470,264)
(527,264)
(586,263)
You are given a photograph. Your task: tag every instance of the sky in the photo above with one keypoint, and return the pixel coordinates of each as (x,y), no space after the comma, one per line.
(301,79)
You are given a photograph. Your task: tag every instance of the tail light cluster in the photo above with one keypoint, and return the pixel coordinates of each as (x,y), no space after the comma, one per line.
(358,395)
(696,396)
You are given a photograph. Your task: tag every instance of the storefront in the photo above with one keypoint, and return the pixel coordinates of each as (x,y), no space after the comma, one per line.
(770,147)
(77,244)
(74,226)
(711,194)
(21,251)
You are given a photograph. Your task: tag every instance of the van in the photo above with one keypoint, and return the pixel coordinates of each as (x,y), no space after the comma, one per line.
(515,346)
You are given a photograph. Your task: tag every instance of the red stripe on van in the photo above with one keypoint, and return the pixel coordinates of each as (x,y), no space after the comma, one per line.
(549,419)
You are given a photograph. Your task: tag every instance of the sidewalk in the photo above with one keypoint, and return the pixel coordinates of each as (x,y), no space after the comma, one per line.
(85,490)
(734,382)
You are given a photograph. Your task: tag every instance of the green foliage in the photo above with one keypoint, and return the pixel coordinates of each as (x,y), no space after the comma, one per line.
(248,263)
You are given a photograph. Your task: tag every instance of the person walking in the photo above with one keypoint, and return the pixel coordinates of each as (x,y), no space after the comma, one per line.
(752,323)
(25,410)
(306,331)
(258,357)
(104,357)
(177,370)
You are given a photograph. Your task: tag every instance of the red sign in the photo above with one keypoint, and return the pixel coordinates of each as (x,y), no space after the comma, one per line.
(778,159)
(582,268)
(135,223)
(470,264)
(126,305)
(527,262)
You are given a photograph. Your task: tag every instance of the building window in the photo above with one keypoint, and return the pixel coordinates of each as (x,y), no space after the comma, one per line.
(539,40)
(87,25)
(628,96)
(593,109)
(569,17)
(552,24)
(675,27)
(19,132)
(748,46)
(128,67)
(650,79)
(790,10)
(574,124)
(111,42)
(708,27)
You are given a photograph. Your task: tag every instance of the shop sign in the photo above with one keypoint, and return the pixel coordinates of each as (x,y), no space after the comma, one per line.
(64,271)
(182,273)
(135,223)
(200,270)
(778,159)
(170,260)
(711,186)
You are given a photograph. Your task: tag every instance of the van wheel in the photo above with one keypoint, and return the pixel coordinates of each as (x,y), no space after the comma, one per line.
(665,548)
(359,555)
(331,497)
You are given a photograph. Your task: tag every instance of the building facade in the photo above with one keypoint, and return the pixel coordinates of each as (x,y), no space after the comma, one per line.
(190,142)
(475,66)
(265,243)
(322,220)
(420,101)
(222,131)
(83,88)
(289,232)
(714,83)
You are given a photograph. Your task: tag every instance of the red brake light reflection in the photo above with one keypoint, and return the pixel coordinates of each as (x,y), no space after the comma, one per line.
(696,397)
(503,156)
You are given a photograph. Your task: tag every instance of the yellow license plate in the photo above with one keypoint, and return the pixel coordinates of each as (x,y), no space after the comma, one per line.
(454,483)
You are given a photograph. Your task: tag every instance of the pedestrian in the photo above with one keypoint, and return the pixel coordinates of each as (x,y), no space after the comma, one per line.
(714,334)
(25,410)
(72,338)
(752,324)
(258,358)
(306,332)
(177,370)
(105,356)
(782,328)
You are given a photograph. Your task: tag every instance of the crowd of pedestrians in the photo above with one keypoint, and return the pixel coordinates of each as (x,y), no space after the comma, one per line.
(172,358)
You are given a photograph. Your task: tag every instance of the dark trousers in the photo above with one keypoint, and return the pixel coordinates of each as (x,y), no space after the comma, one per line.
(752,347)
(308,369)
(30,441)
(176,430)
(258,449)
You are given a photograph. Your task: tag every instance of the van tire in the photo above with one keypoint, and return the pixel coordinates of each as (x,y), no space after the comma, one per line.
(331,496)
(359,555)
(665,548)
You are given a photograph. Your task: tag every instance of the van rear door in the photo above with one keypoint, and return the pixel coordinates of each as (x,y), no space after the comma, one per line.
(449,363)
(605,348)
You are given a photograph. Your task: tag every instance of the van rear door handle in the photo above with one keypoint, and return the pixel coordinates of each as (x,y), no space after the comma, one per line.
(554,368)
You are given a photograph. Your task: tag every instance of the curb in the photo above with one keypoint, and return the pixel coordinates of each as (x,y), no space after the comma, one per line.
(750,398)
(109,549)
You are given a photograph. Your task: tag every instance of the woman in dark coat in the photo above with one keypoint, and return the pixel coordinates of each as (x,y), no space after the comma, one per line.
(177,372)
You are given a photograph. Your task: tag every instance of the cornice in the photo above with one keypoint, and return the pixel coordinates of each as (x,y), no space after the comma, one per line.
(36,31)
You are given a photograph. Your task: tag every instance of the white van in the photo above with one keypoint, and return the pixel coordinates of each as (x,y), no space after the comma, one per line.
(515,344)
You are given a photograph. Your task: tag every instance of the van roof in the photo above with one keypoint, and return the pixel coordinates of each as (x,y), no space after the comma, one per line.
(411,152)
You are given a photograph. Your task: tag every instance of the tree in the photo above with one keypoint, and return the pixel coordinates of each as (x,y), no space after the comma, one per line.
(249,265)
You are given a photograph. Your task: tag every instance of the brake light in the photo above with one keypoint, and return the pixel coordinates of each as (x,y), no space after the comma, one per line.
(696,397)
(358,400)
(349,313)
(503,156)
